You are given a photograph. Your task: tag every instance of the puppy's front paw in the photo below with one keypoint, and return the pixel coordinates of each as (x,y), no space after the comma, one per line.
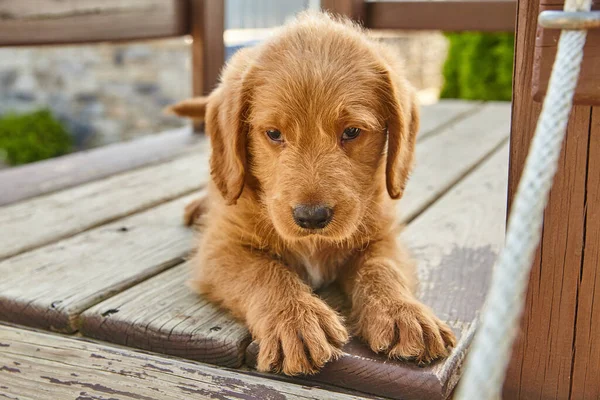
(404,329)
(300,340)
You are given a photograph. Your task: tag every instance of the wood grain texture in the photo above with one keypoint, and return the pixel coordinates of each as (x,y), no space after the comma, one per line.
(585,376)
(23,182)
(164,315)
(456,242)
(49,287)
(42,366)
(437,116)
(542,360)
(524,118)
(588,85)
(547,355)
(47,219)
(452,15)
(444,158)
(33,22)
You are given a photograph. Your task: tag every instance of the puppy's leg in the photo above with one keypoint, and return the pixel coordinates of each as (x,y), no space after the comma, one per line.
(298,333)
(386,313)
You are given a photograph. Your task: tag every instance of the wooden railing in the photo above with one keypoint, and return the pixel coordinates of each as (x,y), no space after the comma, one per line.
(51,22)
(32,22)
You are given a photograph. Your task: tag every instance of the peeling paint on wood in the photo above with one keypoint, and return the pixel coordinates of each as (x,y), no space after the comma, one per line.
(49,374)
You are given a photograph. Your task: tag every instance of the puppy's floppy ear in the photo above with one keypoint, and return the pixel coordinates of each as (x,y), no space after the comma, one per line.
(225,112)
(228,130)
(226,123)
(402,128)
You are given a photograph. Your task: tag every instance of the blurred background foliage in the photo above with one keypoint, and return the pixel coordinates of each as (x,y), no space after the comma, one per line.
(479,66)
(32,137)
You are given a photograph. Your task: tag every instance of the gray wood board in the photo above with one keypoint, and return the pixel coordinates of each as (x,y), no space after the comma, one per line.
(438,115)
(49,287)
(46,219)
(26,181)
(163,315)
(41,366)
(445,158)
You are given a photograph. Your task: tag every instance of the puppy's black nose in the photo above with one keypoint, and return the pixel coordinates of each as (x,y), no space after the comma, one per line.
(312,216)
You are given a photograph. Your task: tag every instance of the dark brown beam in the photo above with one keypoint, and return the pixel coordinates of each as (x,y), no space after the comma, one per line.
(488,16)
(207,24)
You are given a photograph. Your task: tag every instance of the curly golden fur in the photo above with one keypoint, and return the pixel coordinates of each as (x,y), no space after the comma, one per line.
(309,83)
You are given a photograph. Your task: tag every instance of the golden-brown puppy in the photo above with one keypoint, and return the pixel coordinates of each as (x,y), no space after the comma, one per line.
(313,135)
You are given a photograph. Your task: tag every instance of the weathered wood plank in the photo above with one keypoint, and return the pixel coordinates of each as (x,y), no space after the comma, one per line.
(23,182)
(524,119)
(43,366)
(551,317)
(49,287)
(435,117)
(444,159)
(585,383)
(31,22)
(163,315)
(47,219)
(456,242)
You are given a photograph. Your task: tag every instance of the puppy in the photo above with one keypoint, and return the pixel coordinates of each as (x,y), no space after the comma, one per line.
(313,136)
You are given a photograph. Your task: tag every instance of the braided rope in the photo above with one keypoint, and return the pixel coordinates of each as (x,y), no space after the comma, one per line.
(486,364)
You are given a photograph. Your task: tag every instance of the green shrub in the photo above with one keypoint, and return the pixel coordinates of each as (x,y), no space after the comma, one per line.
(479,66)
(32,137)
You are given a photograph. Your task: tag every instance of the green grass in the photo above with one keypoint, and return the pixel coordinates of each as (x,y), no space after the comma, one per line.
(32,137)
(479,66)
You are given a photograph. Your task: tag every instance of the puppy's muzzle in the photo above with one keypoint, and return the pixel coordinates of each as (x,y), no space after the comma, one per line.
(312,216)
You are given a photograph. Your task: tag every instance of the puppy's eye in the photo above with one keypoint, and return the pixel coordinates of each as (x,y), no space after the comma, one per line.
(274,135)
(350,133)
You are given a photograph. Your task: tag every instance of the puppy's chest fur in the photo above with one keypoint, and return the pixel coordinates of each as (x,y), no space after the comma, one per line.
(318,267)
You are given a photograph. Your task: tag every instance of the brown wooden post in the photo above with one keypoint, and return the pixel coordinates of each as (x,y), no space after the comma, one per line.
(557,355)
(355,9)
(207,25)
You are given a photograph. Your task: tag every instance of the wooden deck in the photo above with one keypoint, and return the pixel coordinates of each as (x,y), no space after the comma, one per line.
(98,271)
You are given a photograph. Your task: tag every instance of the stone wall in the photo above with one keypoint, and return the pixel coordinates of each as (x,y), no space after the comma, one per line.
(108,93)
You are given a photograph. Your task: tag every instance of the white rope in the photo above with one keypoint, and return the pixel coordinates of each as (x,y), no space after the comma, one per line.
(486,364)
